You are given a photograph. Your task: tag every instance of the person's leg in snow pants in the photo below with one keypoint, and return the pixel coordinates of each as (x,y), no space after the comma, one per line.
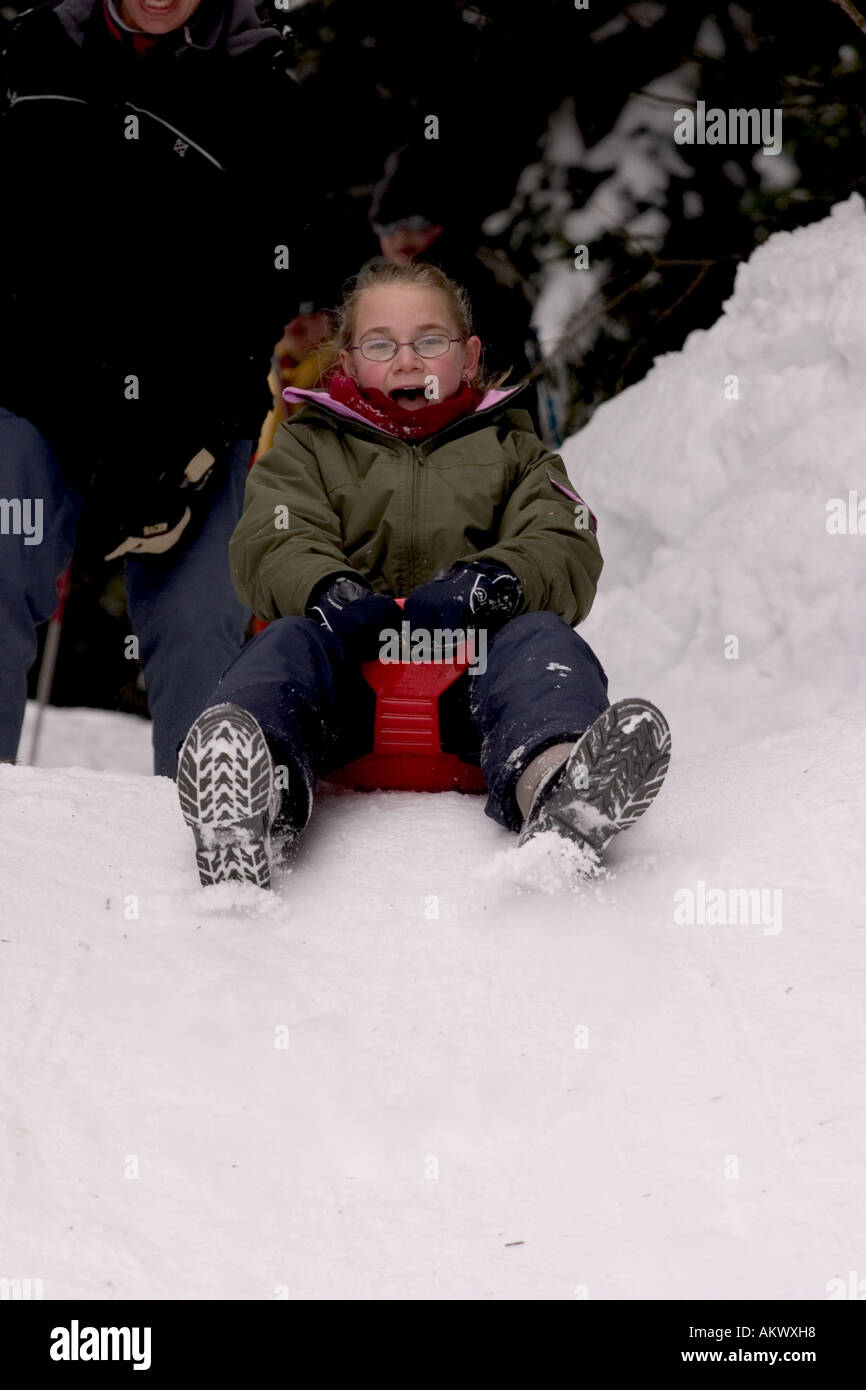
(182,605)
(29,565)
(314,707)
(187,616)
(543,685)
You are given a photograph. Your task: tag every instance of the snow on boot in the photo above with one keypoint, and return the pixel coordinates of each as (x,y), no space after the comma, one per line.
(609,779)
(228,796)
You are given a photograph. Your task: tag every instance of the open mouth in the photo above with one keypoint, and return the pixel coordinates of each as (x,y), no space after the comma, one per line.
(410,397)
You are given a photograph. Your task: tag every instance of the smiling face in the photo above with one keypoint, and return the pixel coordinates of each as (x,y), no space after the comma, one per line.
(157,16)
(404,313)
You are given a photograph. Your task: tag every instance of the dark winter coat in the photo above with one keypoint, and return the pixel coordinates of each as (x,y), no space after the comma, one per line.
(134,241)
(334,490)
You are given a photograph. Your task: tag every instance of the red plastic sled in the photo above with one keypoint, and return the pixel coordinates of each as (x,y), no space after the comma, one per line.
(407,751)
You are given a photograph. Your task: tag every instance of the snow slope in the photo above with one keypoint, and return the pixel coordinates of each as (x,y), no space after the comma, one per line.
(713,506)
(475,1077)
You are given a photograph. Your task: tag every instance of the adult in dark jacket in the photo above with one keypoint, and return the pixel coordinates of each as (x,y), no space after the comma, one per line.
(134,155)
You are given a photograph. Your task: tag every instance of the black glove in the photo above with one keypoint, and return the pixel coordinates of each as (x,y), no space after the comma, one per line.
(348,607)
(471,594)
(147,511)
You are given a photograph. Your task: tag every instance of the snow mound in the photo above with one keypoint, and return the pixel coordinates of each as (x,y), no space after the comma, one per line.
(725,597)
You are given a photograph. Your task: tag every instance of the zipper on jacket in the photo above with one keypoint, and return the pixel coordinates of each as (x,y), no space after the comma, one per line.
(143,111)
(414,579)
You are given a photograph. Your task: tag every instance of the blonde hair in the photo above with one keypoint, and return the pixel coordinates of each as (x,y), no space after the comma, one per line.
(381,273)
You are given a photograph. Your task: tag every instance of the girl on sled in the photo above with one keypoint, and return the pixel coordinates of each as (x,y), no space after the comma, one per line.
(410,477)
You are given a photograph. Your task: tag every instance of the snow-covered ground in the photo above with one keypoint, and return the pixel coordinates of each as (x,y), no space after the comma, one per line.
(431,1065)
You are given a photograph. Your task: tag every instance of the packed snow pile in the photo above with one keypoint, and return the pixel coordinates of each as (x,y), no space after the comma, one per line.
(727,486)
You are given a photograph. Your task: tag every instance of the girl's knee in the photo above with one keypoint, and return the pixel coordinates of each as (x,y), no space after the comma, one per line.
(590,655)
(556,638)
(289,632)
(543,621)
(540,626)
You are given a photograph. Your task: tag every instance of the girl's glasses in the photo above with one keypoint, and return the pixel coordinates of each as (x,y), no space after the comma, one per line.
(383,349)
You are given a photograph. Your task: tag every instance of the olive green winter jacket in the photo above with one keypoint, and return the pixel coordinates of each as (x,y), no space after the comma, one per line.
(336,492)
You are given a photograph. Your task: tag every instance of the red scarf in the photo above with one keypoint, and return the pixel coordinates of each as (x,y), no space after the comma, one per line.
(380,410)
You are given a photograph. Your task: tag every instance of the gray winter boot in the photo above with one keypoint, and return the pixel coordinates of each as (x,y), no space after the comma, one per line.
(609,779)
(228,796)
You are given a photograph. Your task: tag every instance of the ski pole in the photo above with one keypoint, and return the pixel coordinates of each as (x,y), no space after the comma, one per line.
(49,659)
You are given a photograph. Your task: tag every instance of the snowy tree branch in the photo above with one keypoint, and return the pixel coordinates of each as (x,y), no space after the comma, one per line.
(589,314)
(853,13)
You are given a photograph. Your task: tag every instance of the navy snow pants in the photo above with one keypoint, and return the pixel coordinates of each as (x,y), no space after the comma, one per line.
(182,605)
(542,685)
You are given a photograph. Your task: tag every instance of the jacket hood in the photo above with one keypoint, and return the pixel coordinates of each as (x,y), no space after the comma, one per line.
(232,24)
(294,394)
